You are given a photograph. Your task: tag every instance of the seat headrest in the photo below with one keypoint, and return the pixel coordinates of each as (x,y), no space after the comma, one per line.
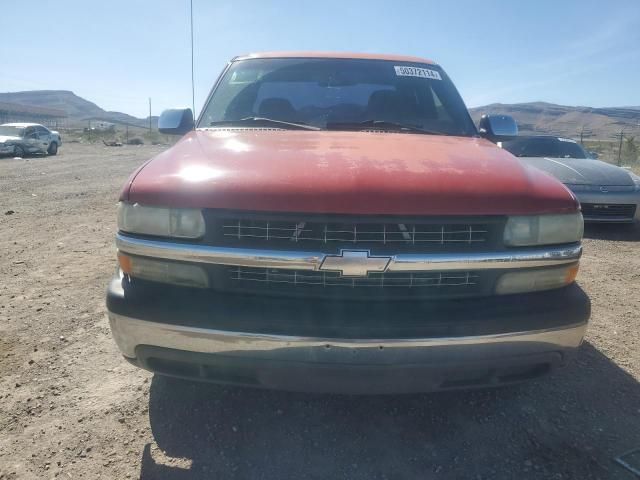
(277,108)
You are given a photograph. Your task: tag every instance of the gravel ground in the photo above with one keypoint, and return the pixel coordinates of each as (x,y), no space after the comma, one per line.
(71,407)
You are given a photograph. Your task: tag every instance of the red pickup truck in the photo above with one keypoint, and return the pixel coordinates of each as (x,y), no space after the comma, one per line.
(336,223)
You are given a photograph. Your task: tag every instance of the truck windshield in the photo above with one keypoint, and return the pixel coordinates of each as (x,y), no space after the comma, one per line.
(544,147)
(339,94)
(11,131)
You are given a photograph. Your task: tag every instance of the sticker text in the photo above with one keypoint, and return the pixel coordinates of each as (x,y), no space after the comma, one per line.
(417,72)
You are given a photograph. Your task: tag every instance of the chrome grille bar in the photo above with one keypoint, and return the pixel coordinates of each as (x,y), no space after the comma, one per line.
(311,260)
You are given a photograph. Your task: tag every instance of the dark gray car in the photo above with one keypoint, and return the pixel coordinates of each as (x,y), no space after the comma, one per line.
(606,193)
(20,139)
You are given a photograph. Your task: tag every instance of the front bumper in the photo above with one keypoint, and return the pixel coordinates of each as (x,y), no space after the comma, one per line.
(610,198)
(346,347)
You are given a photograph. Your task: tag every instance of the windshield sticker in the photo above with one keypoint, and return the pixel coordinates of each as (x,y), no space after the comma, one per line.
(568,140)
(417,72)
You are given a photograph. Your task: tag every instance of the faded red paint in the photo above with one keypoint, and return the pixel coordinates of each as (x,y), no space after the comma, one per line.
(345,172)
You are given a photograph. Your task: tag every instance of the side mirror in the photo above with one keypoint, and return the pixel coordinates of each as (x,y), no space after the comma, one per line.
(176,121)
(593,155)
(498,128)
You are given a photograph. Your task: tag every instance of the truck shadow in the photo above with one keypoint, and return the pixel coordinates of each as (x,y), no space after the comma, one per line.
(569,425)
(624,232)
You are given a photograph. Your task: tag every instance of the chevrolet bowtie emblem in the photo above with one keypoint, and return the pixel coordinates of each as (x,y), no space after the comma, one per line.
(354,263)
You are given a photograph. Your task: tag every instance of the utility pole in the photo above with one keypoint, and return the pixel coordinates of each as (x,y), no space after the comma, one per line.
(619,136)
(149,114)
(584,133)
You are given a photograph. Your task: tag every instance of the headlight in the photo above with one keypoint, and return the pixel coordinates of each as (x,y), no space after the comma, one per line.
(163,222)
(636,180)
(533,280)
(543,229)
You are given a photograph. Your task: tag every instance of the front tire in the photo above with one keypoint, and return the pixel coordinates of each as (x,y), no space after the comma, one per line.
(53,149)
(18,151)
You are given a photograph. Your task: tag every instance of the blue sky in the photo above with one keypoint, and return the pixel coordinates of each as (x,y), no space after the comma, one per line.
(118,53)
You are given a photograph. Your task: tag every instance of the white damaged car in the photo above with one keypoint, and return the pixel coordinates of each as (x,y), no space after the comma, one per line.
(20,139)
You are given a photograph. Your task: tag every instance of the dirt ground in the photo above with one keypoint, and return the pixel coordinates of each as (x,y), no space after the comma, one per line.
(71,407)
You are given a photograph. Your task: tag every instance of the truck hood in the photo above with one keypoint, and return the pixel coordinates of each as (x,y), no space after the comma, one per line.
(581,171)
(344,173)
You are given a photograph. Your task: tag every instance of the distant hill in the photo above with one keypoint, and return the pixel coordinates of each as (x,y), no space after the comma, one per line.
(549,118)
(78,109)
(532,118)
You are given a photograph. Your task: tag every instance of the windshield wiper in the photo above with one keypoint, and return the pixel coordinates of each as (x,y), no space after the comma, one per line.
(381,125)
(264,121)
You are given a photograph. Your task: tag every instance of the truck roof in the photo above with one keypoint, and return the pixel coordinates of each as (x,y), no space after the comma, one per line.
(20,124)
(366,56)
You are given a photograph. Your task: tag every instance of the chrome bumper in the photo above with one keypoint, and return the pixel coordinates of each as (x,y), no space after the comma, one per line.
(129,333)
(299,344)
(301,260)
(364,366)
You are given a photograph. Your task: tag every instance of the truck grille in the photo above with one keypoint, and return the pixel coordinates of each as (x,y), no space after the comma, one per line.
(612,211)
(329,234)
(373,280)
(389,235)
(375,286)
(354,233)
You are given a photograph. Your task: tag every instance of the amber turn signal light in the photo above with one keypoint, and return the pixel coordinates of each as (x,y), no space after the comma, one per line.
(572,273)
(125,263)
